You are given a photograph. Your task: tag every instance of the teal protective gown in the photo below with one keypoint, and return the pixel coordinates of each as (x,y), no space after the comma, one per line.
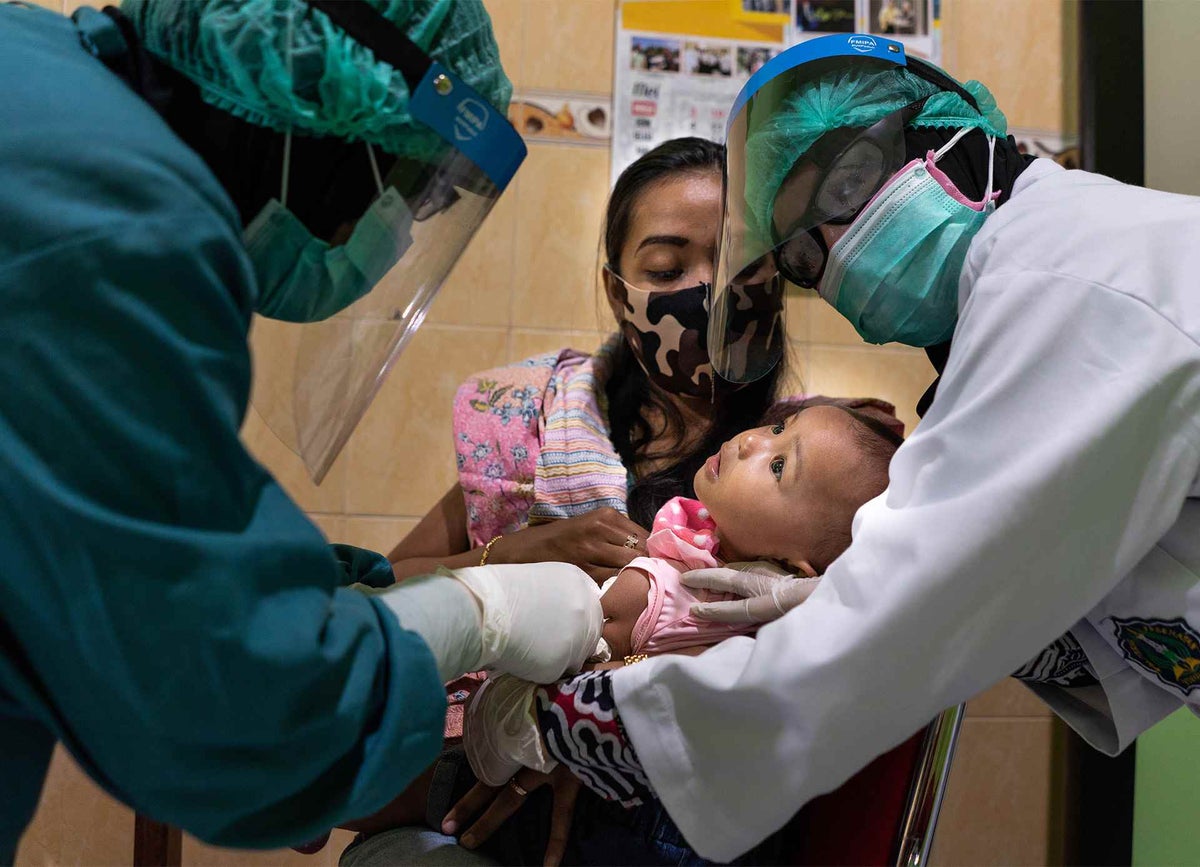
(166,611)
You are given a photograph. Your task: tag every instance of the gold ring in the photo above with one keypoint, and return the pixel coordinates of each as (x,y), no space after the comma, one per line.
(516,787)
(631,541)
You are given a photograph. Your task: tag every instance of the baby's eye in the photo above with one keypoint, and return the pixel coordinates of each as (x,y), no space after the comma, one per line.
(777,467)
(777,429)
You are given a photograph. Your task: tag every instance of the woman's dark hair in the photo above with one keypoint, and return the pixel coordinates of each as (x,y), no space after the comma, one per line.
(628,390)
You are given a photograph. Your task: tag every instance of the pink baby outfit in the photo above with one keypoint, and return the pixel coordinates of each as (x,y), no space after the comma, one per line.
(684,537)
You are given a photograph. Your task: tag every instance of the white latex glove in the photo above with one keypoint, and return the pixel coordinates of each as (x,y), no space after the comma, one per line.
(768,591)
(500,732)
(539,619)
(533,620)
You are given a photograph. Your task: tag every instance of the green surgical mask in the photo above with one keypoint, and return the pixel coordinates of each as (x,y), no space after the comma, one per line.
(894,273)
(304,279)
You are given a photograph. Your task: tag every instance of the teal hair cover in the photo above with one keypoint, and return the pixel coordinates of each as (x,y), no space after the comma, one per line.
(851,98)
(284,65)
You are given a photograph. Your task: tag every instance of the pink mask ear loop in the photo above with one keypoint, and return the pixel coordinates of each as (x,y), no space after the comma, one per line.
(932,157)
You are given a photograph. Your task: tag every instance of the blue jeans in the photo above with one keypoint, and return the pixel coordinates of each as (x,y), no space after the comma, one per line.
(412,847)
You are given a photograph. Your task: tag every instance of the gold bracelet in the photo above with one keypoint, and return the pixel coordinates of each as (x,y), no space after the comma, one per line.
(636,657)
(487,549)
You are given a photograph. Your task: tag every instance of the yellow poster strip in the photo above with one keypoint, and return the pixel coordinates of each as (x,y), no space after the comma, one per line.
(713,18)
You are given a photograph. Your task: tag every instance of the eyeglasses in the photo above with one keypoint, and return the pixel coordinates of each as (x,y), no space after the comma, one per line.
(858,164)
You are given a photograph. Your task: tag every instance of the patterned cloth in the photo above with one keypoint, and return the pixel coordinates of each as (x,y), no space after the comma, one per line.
(578,719)
(1062,663)
(684,531)
(532,443)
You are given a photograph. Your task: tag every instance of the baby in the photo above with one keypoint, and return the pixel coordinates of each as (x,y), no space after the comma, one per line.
(784,493)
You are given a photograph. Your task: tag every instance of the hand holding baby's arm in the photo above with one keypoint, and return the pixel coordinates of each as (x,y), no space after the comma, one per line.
(768,591)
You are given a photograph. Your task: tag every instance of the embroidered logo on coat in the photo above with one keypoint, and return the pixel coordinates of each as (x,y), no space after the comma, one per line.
(1168,649)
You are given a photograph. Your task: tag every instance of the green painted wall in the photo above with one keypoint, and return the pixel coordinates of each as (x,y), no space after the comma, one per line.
(1166,823)
(1166,810)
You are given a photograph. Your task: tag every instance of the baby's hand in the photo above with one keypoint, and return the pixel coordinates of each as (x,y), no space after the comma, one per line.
(768,591)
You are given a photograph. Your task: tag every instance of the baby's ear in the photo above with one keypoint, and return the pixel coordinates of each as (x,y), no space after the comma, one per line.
(801,567)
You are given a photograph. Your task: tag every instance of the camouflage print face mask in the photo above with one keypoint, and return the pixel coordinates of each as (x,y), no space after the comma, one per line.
(668,333)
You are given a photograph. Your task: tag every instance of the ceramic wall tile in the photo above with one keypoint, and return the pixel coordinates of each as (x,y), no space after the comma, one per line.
(289,470)
(824,324)
(998,804)
(76,822)
(32,853)
(401,459)
(508,24)
(569,44)
(332,526)
(795,363)
(526,343)
(1070,67)
(1015,48)
(1008,698)
(559,210)
(376,534)
(338,841)
(479,289)
(810,319)
(797,313)
(896,375)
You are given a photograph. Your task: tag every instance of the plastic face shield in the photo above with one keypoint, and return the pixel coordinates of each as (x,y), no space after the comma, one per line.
(315,381)
(767,241)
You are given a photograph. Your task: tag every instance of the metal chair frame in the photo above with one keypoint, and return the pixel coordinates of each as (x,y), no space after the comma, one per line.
(929,788)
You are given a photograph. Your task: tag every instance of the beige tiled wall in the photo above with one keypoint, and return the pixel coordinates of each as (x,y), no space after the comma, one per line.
(527,285)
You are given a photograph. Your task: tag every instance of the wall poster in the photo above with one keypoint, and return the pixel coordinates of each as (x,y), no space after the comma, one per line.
(671,84)
(916,23)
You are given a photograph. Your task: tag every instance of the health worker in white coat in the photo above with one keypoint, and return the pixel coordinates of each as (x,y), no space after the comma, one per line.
(1043,519)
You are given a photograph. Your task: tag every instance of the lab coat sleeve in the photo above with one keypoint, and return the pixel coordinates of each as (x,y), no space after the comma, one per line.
(1060,448)
(165,608)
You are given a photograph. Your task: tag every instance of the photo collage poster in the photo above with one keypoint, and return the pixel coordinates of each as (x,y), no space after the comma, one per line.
(670,85)
(913,22)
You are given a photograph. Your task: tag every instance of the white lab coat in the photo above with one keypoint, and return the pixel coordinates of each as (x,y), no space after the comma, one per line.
(1044,490)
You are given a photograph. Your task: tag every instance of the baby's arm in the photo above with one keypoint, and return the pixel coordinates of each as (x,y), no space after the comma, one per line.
(623,603)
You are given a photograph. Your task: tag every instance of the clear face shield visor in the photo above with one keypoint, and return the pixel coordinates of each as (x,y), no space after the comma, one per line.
(770,230)
(314,381)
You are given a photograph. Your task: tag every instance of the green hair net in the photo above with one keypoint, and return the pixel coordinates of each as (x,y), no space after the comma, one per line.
(851,98)
(282,64)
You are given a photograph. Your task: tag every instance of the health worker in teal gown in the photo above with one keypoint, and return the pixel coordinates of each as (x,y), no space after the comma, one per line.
(166,611)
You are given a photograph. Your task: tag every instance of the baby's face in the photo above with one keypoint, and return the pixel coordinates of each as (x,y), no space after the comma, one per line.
(776,492)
